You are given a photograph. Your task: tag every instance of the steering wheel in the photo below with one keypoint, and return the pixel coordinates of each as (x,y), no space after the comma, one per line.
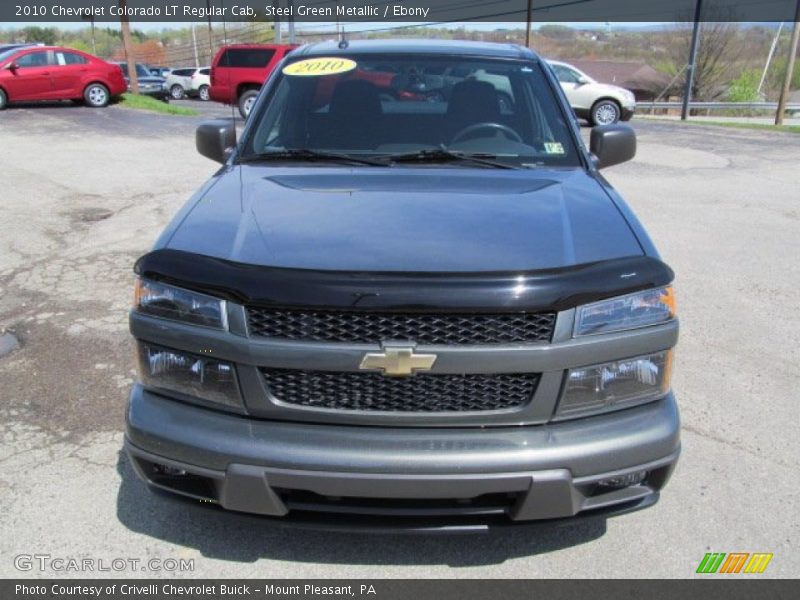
(494,126)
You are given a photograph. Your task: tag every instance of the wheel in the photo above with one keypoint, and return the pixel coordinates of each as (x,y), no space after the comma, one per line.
(605,112)
(203,93)
(3,99)
(246,102)
(177,92)
(96,95)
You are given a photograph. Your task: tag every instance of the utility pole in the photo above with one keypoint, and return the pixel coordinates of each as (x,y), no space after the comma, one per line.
(769,57)
(338,34)
(210,33)
(787,80)
(528,28)
(94,43)
(194,43)
(130,59)
(278,30)
(687,93)
(291,21)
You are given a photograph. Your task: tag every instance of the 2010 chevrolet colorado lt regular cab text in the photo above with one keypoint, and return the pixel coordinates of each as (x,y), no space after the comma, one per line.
(407,300)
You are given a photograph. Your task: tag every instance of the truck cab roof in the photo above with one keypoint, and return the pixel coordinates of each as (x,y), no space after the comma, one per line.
(414,46)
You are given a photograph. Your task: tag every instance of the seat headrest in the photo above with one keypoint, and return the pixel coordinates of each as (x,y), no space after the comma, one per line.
(474,101)
(355,98)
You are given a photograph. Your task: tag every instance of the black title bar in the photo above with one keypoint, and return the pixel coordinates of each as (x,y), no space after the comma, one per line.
(396,11)
(733,588)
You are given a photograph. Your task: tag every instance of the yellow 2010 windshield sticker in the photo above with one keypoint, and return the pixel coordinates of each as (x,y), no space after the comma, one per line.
(315,67)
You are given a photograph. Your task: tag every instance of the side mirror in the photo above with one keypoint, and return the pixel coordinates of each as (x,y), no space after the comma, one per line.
(612,144)
(12,66)
(216,139)
(582,81)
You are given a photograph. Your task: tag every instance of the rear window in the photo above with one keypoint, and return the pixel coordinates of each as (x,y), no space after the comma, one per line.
(182,72)
(70,58)
(205,71)
(250,58)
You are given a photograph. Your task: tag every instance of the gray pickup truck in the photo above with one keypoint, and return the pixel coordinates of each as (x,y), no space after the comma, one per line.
(407,298)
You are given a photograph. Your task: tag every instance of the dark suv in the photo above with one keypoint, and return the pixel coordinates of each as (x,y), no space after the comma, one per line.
(403,310)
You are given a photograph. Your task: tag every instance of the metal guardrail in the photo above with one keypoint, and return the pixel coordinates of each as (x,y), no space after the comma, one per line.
(773,106)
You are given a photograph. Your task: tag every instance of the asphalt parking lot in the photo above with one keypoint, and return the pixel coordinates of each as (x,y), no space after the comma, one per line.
(85,192)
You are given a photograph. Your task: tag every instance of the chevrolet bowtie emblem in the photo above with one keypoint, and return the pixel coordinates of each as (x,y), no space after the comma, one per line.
(397,361)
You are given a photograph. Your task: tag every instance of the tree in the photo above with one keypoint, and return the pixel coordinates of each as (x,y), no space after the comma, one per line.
(717,53)
(44,35)
(745,87)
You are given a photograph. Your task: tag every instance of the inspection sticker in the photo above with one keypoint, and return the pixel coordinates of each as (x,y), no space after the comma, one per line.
(553,148)
(315,67)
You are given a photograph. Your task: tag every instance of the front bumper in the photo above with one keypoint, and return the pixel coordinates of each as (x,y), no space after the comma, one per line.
(288,469)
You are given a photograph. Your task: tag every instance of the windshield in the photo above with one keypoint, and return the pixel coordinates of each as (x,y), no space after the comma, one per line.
(8,53)
(435,109)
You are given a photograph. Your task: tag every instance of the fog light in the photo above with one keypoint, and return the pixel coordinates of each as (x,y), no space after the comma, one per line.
(189,375)
(624,481)
(169,471)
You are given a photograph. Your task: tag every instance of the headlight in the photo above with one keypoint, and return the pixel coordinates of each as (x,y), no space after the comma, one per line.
(195,376)
(616,384)
(626,312)
(169,302)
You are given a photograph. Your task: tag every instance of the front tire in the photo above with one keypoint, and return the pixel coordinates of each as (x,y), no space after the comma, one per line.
(246,102)
(96,95)
(177,92)
(3,99)
(605,112)
(203,93)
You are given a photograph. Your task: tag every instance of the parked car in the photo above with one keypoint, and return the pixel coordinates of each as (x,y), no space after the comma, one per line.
(149,85)
(4,47)
(179,81)
(238,71)
(30,73)
(201,83)
(598,103)
(159,71)
(191,81)
(407,309)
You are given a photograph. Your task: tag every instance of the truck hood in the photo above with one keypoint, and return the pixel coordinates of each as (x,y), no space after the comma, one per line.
(403,219)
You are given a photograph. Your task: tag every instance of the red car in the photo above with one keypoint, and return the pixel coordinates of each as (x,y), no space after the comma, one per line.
(238,71)
(56,73)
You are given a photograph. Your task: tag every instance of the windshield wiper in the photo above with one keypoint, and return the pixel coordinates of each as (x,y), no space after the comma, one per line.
(308,154)
(444,154)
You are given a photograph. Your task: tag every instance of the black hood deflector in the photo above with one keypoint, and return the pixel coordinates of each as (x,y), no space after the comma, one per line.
(552,289)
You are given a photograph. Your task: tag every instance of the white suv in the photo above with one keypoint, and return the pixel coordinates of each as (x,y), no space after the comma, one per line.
(598,103)
(200,82)
(192,81)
